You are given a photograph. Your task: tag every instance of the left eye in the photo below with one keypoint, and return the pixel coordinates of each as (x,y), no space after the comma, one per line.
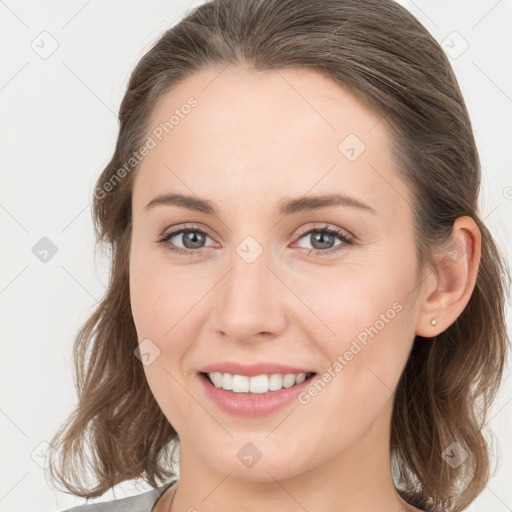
(322,239)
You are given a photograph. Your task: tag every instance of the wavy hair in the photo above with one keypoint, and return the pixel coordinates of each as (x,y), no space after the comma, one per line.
(384,56)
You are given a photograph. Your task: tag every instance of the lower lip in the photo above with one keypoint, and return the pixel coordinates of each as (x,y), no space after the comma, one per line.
(252,404)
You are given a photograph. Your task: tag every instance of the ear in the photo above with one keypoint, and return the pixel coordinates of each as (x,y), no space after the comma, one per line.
(450,285)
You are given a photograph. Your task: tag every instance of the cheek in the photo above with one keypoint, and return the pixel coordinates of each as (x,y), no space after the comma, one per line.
(365,331)
(159,295)
(159,309)
(363,362)
(164,309)
(358,301)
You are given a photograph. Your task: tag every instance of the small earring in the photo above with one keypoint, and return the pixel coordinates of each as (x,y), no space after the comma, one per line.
(434,321)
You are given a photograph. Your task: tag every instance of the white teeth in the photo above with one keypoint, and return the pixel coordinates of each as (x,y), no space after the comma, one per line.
(288,380)
(256,384)
(275,382)
(240,383)
(227,381)
(216,378)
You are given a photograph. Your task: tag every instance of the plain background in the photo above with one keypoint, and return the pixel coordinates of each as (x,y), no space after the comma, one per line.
(58,129)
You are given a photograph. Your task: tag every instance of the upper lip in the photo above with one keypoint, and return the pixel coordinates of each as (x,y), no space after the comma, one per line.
(251,370)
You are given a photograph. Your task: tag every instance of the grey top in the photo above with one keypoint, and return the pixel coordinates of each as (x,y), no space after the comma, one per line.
(144,502)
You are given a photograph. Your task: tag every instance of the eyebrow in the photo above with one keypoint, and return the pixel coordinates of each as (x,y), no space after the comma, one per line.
(286,206)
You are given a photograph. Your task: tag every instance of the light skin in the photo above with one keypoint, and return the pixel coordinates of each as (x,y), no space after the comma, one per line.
(254,140)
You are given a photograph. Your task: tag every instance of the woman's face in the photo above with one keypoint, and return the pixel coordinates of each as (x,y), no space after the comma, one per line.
(251,285)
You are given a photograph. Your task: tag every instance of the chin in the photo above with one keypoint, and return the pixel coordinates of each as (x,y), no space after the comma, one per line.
(256,459)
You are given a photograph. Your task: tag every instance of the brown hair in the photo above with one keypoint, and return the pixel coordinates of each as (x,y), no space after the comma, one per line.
(377,50)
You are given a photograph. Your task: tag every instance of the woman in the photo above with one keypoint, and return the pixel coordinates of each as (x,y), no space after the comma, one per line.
(303,297)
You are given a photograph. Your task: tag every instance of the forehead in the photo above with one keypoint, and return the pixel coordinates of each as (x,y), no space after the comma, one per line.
(255,136)
(296,104)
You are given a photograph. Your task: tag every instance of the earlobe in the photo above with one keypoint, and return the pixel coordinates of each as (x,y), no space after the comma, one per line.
(453,279)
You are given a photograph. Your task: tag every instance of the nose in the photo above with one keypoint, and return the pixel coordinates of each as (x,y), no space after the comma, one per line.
(250,301)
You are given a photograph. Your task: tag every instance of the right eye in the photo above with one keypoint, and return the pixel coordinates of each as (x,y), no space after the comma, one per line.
(191,238)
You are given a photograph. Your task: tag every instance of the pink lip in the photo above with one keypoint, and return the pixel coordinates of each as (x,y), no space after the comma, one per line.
(252,369)
(252,404)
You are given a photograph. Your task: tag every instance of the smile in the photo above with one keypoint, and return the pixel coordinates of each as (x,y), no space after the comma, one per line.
(256,384)
(253,396)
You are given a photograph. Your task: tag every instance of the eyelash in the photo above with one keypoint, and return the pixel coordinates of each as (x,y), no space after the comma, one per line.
(342,235)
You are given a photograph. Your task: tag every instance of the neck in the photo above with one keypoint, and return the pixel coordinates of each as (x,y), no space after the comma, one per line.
(359,478)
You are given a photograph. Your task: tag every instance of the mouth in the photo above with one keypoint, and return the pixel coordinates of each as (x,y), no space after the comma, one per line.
(264,384)
(255,395)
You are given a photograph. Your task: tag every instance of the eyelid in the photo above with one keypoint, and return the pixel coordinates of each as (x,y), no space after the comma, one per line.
(326,227)
(174,230)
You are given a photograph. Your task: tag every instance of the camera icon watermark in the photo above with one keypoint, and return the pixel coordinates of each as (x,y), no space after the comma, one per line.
(147,352)
(44,250)
(455,455)
(249,454)
(351,147)
(454,45)
(454,249)
(249,249)
(45,45)
(40,454)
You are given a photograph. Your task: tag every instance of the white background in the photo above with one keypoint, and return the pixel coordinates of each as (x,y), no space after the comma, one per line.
(58,129)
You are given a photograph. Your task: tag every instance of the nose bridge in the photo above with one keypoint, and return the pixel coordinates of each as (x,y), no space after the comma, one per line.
(248,300)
